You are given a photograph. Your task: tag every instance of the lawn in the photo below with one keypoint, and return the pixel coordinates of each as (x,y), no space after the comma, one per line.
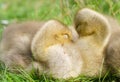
(42,10)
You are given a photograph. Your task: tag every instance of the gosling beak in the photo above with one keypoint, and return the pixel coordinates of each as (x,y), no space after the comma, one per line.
(75,35)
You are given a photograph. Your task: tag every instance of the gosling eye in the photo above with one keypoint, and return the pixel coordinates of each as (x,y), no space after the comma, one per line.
(62,36)
(66,36)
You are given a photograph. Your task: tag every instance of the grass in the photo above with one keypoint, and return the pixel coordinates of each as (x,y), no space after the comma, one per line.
(64,10)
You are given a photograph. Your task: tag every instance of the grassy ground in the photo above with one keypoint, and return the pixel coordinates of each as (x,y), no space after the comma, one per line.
(63,10)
